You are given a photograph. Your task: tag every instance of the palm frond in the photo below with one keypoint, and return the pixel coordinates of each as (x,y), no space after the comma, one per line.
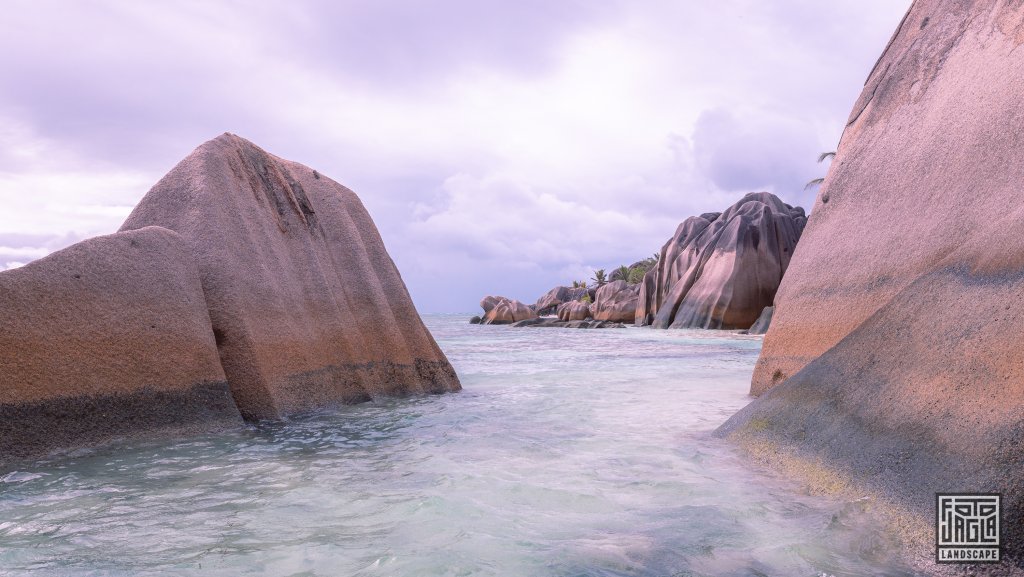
(826,155)
(813,183)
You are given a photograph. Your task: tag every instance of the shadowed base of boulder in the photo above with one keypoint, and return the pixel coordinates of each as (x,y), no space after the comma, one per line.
(345,384)
(914,528)
(37,428)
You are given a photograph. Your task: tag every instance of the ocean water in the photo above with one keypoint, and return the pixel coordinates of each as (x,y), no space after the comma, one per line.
(569,453)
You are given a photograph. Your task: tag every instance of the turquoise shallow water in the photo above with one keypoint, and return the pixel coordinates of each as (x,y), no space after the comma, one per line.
(569,453)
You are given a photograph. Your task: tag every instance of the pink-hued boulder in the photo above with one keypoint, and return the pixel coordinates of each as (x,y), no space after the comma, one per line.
(894,353)
(720,270)
(573,311)
(616,301)
(307,307)
(503,311)
(108,337)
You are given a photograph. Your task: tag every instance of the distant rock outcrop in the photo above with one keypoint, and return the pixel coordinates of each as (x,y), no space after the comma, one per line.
(573,311)
(307,306)
(548,303)
(720,270)
(894,359)
(105,338)
(616,302)
(504,311)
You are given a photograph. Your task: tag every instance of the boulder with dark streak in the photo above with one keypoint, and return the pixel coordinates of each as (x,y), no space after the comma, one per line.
(719,271)
(306,305)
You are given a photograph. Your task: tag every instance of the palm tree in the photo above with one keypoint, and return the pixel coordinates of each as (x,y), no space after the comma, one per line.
(621,273)
(600,277)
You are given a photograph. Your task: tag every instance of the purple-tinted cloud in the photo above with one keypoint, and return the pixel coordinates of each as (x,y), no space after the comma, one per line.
(538,138)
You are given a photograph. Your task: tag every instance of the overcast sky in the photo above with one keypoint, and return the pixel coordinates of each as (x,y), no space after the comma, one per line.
(501,147)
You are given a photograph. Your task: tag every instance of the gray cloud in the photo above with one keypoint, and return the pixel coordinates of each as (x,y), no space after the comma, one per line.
(758,152)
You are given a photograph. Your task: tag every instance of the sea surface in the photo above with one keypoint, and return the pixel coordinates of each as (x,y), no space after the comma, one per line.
(570,453)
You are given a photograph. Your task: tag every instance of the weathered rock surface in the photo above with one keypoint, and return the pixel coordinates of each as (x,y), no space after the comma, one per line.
(573,311)
(548,303)
(306,305)
(504,311)
(578,324)
(616,301)
(762,323)
(489,302)
(720,270)
(894,354)
(105,338)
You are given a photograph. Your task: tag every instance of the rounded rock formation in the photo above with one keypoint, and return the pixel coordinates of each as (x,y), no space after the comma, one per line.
(504,311)
(307,307)
(573,311)
(720,270)
(616,302)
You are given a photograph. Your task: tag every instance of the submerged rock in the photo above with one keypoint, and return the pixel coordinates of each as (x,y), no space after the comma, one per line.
(894,356)
(108,337)
(306,305)
(616,302)
(720,270)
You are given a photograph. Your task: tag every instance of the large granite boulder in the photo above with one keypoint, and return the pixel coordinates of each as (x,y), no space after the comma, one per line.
(616,302)
(504,311)
(105,338)
(720,270)
(573,311)
(548,303)
(894,355)
(306,305)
